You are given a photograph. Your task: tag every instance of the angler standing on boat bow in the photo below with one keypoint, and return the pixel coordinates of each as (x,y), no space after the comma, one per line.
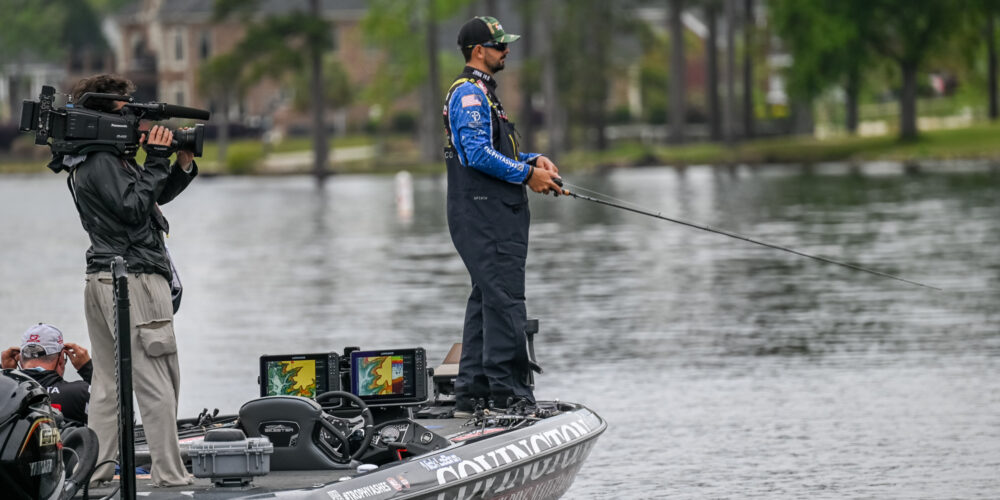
(488,219)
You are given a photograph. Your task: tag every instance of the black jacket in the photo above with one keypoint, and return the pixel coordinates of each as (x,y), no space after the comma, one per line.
(117,201)
(73,397)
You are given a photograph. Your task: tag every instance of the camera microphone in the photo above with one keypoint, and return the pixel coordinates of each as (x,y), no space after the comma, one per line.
(185,112)
(162,110)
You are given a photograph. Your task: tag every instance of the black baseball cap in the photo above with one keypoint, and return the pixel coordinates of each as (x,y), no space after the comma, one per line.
(483,29)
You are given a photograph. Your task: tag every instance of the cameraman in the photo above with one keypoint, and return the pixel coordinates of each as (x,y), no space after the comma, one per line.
(118,202)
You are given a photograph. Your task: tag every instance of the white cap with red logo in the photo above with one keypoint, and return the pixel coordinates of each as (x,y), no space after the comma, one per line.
(48,337)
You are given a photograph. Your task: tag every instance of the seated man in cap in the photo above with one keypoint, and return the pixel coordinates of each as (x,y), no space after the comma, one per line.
(42,356)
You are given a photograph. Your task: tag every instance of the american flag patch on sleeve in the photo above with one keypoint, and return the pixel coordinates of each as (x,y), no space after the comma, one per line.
(470,100)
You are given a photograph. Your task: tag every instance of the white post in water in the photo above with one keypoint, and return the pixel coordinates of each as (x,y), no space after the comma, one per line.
(404,195)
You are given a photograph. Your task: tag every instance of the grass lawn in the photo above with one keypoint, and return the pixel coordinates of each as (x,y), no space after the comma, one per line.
(977,142)
(400,152)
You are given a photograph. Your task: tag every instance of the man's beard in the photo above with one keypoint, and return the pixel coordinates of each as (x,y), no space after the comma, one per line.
(497,66)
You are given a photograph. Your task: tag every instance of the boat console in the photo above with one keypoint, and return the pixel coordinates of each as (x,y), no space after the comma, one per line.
(312,424)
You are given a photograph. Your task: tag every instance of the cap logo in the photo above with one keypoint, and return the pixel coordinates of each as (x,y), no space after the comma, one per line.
(494,27)
(34,338)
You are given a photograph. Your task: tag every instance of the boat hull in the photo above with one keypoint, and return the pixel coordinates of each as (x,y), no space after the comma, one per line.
(537,461)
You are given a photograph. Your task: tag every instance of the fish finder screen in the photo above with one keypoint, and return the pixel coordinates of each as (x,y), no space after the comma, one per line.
(391,377)
(383,376)
(306,375)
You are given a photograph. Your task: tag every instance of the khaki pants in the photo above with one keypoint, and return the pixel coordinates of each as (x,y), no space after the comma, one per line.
(155,372)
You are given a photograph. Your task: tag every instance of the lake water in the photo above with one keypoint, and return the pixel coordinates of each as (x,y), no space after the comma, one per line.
(724,369)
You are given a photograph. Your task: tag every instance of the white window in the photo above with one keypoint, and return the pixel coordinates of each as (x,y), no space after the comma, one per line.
(178,45)
(205,45)
(174,92)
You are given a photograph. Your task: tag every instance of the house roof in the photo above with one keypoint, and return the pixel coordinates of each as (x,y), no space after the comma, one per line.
(201,10)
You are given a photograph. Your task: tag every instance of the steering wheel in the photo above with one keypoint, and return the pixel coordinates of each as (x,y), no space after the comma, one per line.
(342,428)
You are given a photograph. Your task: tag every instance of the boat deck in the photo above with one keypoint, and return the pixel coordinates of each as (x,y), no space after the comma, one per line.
(275,481)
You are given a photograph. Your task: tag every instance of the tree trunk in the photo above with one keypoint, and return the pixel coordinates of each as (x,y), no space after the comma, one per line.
(526,118)
(991,50)
(321,144)
(851,91)
(429,133)
(223,135)
(677,76)
(802,117)
(13,96)
(711,57)
(908,102)
(602,80)
(748,27)
(555,121)
(728,120)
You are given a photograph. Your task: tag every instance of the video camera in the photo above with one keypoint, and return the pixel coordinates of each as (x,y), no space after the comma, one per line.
(74,129)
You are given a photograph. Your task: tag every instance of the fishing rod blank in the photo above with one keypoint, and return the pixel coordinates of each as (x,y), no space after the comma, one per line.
(738,236)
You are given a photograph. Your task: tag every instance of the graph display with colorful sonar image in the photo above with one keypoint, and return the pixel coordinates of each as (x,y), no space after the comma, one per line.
(380,375)
(292,378)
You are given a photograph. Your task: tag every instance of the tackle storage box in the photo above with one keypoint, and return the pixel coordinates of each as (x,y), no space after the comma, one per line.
(228,457)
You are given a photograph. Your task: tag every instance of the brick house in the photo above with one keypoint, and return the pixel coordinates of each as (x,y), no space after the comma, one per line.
(160,44)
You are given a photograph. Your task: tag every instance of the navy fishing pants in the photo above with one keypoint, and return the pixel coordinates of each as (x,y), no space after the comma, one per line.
(491,236)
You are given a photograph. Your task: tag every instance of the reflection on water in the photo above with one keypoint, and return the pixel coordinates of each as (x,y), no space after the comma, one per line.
(724,369)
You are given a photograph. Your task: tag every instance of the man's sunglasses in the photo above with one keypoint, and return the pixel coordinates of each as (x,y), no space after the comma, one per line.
(495,45)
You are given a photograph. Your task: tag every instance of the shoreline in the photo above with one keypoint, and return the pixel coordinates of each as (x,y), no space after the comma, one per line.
(361,155)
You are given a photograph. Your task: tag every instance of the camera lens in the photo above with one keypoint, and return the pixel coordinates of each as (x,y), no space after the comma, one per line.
(191,139)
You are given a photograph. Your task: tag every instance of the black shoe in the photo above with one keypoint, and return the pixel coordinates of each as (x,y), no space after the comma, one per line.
(465,407)
(513,403)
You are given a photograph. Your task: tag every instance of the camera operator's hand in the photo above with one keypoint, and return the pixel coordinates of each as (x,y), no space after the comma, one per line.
(184,158)
(157,141)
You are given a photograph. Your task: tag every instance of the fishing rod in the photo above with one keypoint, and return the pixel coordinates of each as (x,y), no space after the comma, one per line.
(736,235)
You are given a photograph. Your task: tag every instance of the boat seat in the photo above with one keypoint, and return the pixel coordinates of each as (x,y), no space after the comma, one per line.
(445,373)
(292,424)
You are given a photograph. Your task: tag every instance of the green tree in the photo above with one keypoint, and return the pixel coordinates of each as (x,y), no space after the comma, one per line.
(56,31)
(529,81)
(833,40)
(221,79)
(678,85)
(711,10)
(293,41)
(973,45)
(406,31)
(586,62)
(829,41)
(909,32)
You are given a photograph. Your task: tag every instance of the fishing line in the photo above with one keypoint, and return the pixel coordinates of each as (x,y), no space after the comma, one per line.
(622,204)
(607,197)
